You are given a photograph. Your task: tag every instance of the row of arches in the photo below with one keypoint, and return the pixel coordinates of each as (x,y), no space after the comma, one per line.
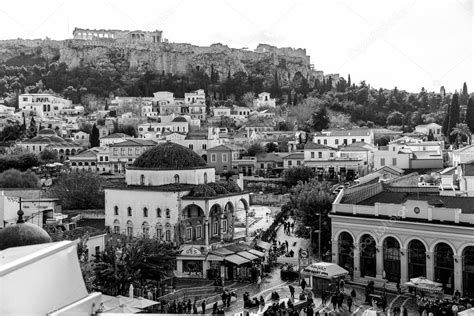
(415,258)
(80,163)
(161,232)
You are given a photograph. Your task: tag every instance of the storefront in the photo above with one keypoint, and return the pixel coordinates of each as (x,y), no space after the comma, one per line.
(190,263)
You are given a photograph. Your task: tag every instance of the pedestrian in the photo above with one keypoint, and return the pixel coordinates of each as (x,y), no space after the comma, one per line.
(224,298)
(214,308)
(405,311)
(292,227)
(195,308)
(259,281)
(303,284)
(292,291)
(324,297)
(309,311)
(353,294)
(334,302)
(349,303)
(203,306)
(340,300)
(229,296)
(384,303)
(286,243)
(189,306)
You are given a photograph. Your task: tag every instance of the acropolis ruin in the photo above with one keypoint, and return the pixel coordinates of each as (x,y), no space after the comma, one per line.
(118,35)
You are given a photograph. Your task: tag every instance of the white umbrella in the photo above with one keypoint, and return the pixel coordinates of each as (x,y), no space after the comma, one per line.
(124,300)
(130,291)
(124,309)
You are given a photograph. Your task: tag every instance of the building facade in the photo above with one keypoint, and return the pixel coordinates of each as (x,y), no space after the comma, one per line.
(391,231)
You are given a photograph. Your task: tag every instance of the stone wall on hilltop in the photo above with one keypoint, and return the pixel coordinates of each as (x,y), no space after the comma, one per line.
(175,58)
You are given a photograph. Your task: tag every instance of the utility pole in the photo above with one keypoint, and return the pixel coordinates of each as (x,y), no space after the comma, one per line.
(319,237)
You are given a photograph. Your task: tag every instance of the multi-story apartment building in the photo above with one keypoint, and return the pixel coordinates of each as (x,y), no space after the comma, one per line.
(42,104)
(123,154)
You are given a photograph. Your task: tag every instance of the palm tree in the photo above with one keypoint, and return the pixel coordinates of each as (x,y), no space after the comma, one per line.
(459,131)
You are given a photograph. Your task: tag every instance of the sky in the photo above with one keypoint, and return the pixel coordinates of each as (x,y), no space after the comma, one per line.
(404,43)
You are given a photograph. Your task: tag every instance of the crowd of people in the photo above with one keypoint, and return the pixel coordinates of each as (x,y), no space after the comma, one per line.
(437,306)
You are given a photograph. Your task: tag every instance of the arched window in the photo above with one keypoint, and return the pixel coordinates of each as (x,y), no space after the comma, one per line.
(142,179)
(129,211)
(167,213)
(168,235)
(468,271)
(129,228)
(159,232)
(176,178)
(444,267)
(346,251)
(145,212)
(116,210)
(391,259)
(158,212)
(416,259)
(116,226)
(146,229)
(205,177)
(368,261)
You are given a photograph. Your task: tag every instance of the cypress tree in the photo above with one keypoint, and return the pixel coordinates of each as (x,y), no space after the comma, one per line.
(453,115)
(446,121)
(349,80)
(94,137)
(470,115)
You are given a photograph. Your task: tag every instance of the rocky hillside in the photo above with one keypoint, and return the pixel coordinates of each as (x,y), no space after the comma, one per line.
(174,58)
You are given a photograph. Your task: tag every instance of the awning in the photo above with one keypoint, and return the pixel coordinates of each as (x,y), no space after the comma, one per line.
(425,285)
(247,255)
(326,270)
(222,252)
(212,257)
(236,259)
(264,245)
(257,253)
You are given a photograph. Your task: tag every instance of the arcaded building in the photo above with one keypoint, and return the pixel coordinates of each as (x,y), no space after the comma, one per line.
(389,232)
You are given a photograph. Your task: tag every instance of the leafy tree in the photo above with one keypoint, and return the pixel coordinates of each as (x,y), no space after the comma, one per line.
(79,191)
(320,119)
(22,161)
(94,137)
(255,149)
(126,129)
(48,156)
(271,147)
(395,118)
(12,132)
(132,262)
(13,178)
(294,175)
(470,114)
(310,200)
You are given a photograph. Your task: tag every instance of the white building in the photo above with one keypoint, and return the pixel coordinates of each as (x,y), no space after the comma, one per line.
(6,110)
(431,128)
(463,155)
(42,104)
(264,100)
(149,130)
(338,137)
(107,140)
(169,196)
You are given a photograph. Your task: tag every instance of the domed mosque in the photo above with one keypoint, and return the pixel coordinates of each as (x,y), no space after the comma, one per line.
(171,194)
(22,234)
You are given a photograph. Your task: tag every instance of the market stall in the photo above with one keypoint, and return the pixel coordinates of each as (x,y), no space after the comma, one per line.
(324,276)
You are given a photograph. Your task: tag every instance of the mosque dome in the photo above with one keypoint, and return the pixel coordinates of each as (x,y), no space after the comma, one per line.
(169,156)
(180,119)
(47,131)
(22,234)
